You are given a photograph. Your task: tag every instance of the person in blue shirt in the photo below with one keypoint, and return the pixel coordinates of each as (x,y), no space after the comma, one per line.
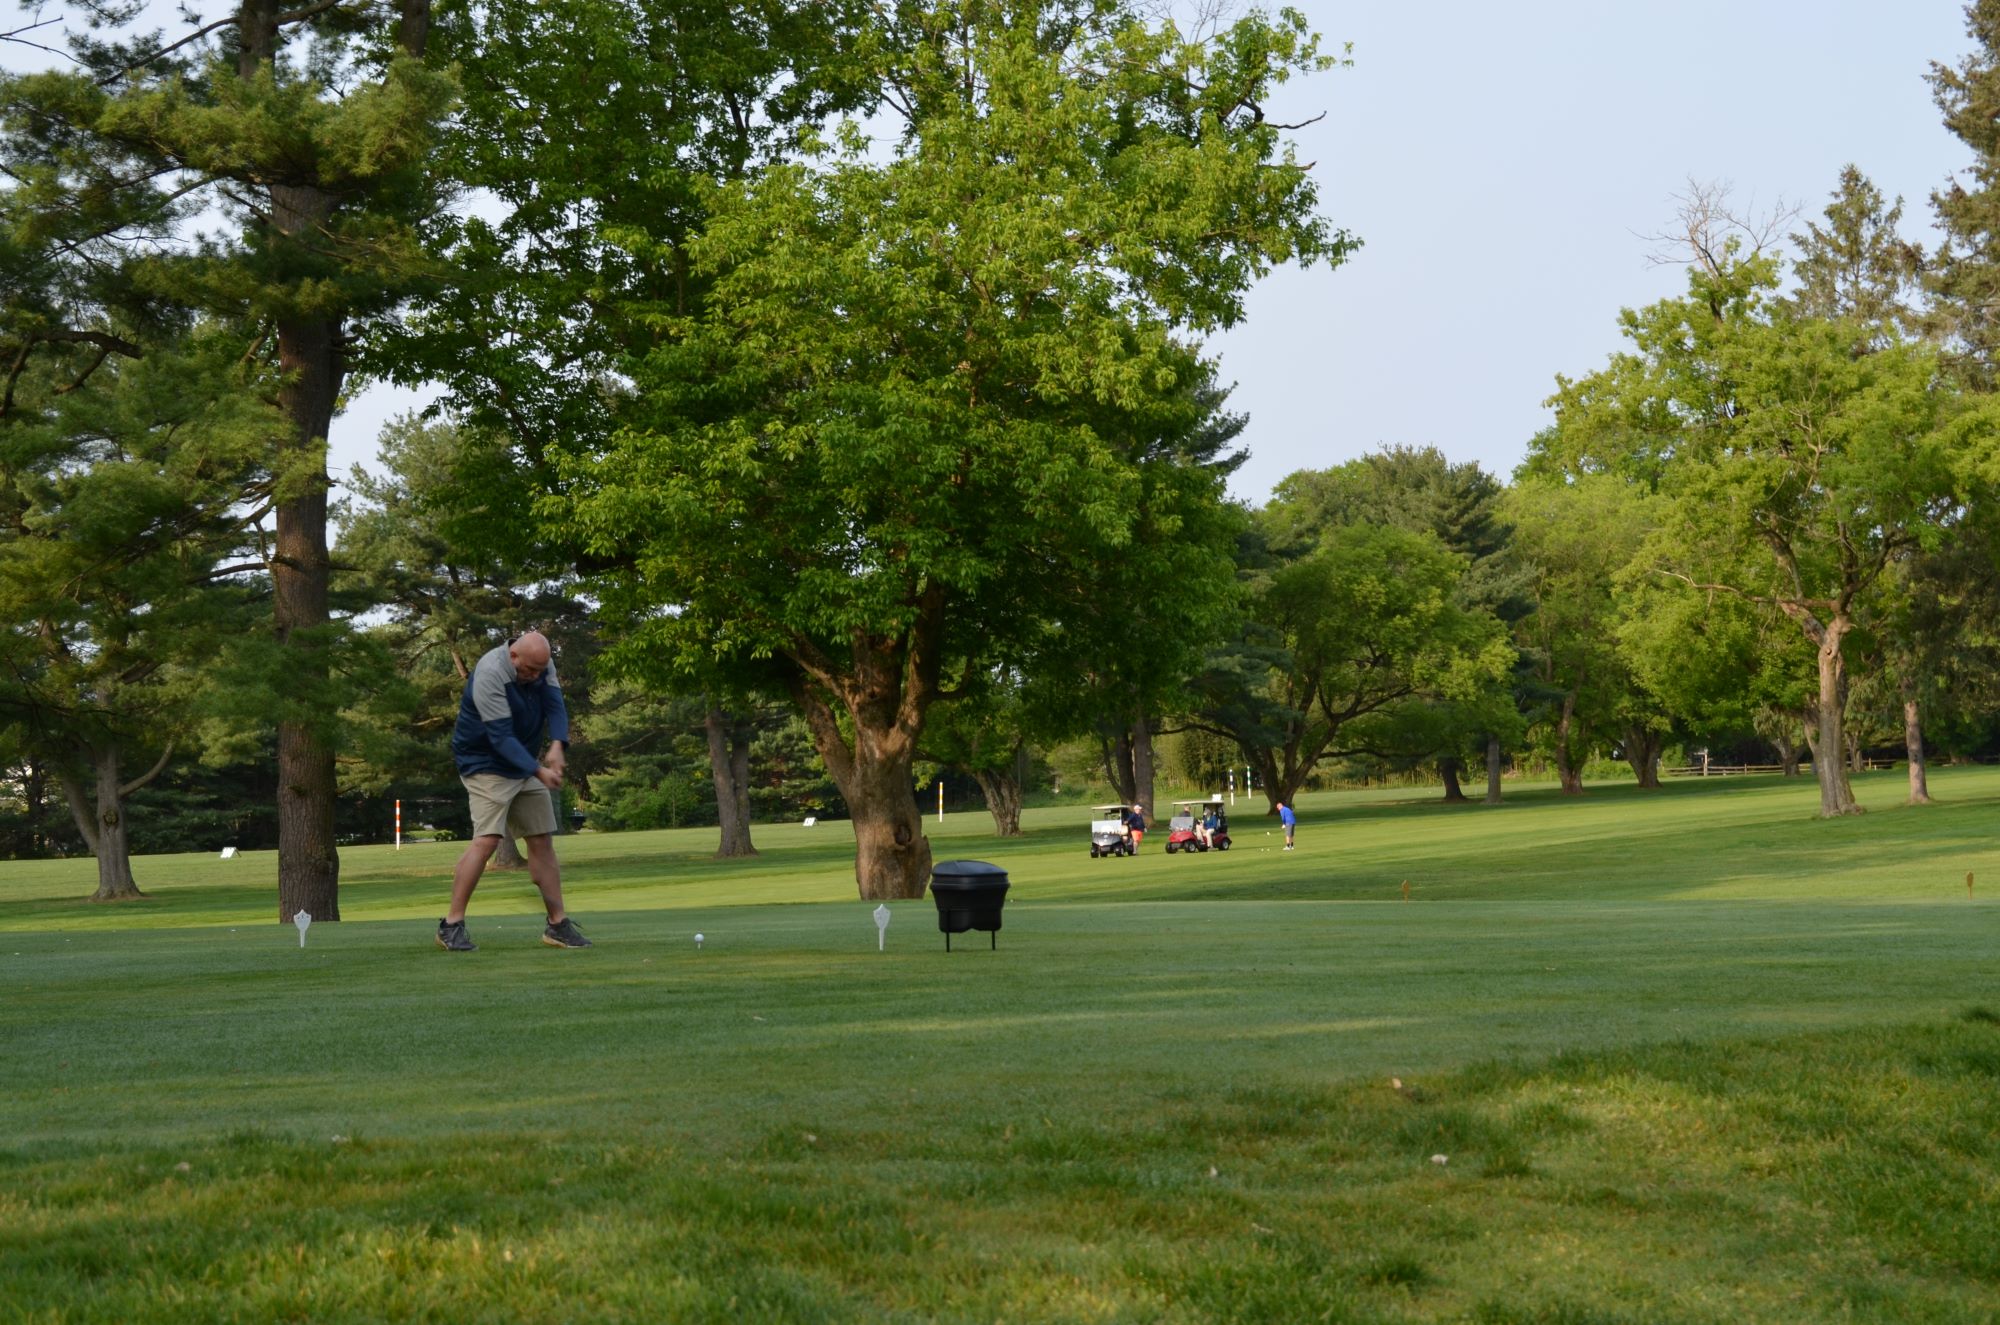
(1135,827)
(1289,820)
(511,698)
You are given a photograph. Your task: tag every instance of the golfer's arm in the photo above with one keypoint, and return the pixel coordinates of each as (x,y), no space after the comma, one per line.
(500,735)
(558,728)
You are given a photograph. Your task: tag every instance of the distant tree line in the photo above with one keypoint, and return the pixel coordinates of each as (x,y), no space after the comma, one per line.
(833,467)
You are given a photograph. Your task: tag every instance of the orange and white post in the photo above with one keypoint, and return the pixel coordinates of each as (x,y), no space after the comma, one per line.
(399,825)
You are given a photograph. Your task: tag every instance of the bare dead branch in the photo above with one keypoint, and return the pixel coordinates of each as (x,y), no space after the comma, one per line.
(1705,222)
(14,35)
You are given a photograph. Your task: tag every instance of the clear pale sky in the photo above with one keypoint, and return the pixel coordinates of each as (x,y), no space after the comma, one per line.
(1501,163)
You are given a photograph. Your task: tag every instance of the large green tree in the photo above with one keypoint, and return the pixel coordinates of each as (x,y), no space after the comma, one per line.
(1344,649)
(1120,675)
(1420,489)
(1858,266)
(299,140)
(583,126)
(1574,538)
(1795,471)
(920,402)
(121,524)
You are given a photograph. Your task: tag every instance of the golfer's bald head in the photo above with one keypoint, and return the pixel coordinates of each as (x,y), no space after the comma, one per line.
(530,655)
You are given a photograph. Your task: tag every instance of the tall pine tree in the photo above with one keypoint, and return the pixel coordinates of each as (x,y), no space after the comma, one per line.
(301,138)
(1965,284)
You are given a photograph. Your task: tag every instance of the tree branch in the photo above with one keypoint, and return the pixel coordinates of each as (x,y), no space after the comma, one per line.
(102,354)
(283,20)
(150,774)
(70,336)
(14,376)
(238,569)
(14,35)
(79,810)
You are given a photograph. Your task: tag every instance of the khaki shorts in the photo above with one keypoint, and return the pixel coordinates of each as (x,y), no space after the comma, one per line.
(509,807)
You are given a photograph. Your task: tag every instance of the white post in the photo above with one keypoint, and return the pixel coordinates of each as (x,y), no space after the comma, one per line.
(399,825)
(940,800)
(1230,778)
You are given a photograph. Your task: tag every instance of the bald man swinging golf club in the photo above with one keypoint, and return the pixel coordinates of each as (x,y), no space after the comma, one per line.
(510,699)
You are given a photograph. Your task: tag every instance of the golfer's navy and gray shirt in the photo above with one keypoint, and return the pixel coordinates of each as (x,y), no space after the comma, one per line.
(501,718)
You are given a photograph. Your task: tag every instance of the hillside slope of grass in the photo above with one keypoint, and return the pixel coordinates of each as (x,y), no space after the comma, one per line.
(1687,1056)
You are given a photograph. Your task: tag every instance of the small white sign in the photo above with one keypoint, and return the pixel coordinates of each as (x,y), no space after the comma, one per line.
(811,819)
(229,853)
(303,920)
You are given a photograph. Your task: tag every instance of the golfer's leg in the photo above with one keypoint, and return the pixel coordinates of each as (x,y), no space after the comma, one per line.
(542,868)
(466,877)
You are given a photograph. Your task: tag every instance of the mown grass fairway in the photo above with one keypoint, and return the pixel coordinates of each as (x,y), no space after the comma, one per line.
(1685,1057)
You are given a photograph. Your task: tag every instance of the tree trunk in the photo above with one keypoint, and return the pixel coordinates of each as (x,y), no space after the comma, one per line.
(100,817)
(1566,770)
(114,837)
(313,365)
(1788,754)
(1448,770)
(885,706)
(1003,799)
(309,357)
(1855,762)
(413,29)
(1142,766)
(1279,780)
(1642,751)
(729,767)
(1493,770)
(1836,794)
(893,857)
(308,352)
(1913,742)
(507,856)
(1118,768)
(35,794)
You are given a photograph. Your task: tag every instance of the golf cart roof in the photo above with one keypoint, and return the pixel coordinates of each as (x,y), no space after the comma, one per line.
(1210,800)
(1101,809)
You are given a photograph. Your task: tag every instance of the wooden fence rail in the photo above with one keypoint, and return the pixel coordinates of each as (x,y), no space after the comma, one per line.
(1707,770)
